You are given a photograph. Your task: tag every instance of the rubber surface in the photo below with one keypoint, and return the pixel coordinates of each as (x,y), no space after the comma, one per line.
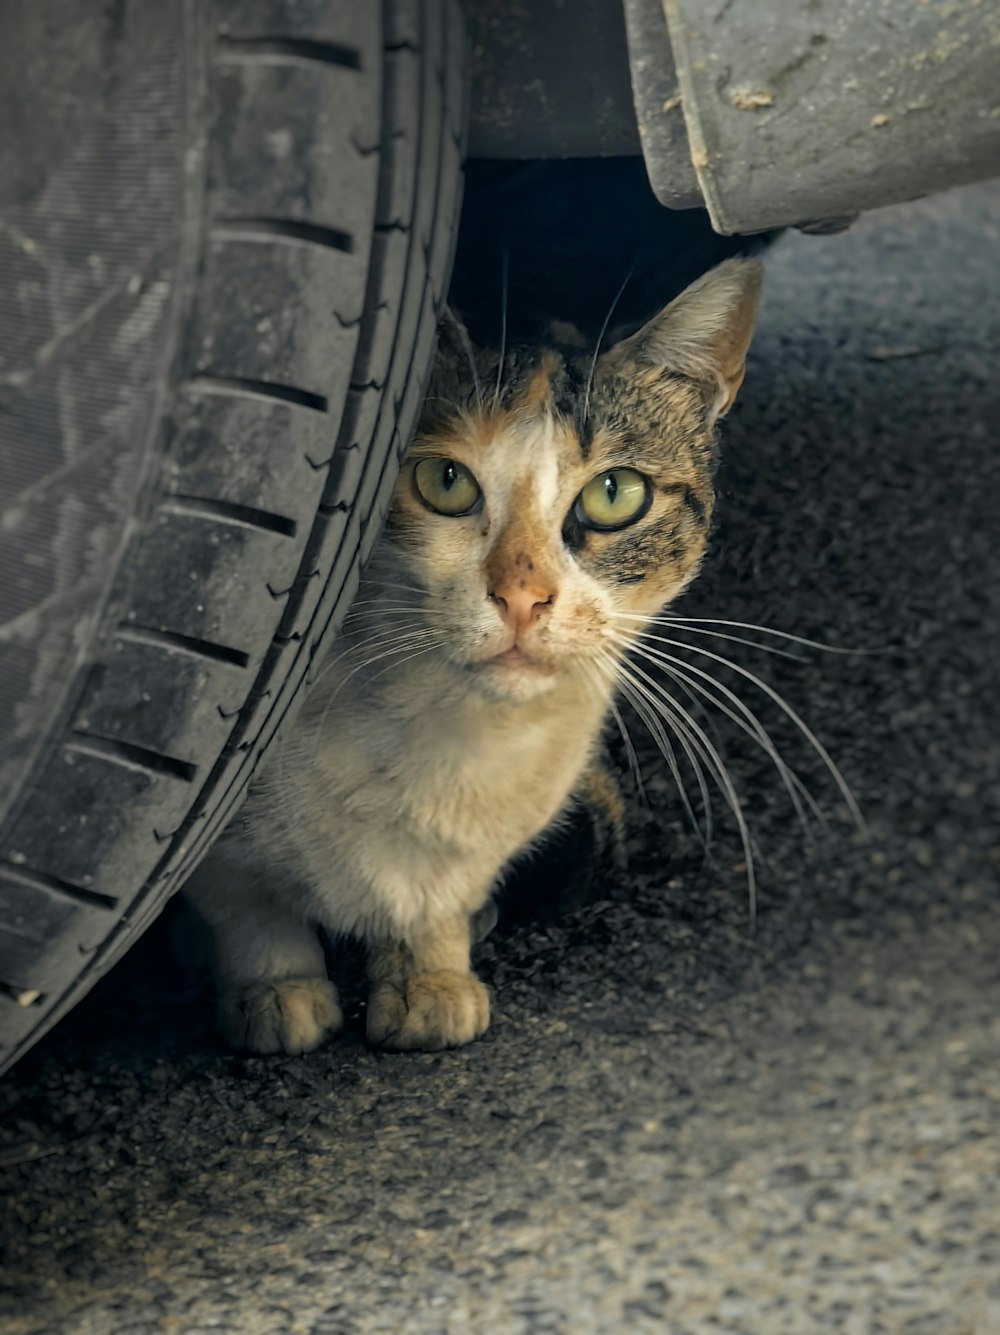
(221,273)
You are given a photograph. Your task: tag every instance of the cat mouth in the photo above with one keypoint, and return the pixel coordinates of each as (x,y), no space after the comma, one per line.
(516,658)
(513,657)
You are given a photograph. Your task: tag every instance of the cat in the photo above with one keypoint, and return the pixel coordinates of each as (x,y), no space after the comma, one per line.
(551,502)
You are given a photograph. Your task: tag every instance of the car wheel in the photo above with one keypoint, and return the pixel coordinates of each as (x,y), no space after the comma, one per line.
(225,238)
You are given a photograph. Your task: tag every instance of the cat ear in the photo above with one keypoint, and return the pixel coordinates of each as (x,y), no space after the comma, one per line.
(455,373)
(453,342)
(703,334)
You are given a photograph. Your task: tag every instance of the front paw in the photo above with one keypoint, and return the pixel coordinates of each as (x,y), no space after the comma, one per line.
(290,1015)
(436,1010)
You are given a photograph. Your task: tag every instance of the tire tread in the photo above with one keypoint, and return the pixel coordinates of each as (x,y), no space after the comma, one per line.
(296,525)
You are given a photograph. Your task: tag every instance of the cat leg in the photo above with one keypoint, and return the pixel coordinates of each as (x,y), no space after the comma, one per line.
(424,994)
(273,991)
(483,921)
(598,792)
(289,1007)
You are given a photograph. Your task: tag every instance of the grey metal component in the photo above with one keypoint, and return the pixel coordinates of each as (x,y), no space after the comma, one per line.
(549,79)
(812,111)
(801,113)
(657,98)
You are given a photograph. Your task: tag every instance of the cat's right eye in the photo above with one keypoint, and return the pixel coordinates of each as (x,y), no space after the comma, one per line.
(447,487)
(613,500)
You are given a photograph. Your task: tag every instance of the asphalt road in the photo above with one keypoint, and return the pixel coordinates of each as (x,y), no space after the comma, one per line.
(673,1125)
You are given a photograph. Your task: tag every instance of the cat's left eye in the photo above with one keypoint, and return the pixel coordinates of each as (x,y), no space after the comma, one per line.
(613,500)
(447,487)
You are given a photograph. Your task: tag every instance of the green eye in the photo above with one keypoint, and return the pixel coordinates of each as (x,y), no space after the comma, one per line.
(447,487)
(613,500)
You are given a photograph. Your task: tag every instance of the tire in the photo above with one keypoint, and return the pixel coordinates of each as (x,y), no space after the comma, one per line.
(224,244)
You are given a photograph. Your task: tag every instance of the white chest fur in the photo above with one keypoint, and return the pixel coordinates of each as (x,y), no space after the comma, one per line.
(401,803)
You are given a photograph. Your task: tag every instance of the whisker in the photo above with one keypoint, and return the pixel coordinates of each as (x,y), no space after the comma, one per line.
(642,702)
(404,643)
(463,338)
(435,644)
(694,752)
(600,338)
(380,636)
(680,670)
(605,684)
(786,708)
(668,619)
(372,580)
(378,633)
(390,608)
(797,790)
(503,327)
(723,635)
(720,772)
(613,666)
(648,717)
(630,752)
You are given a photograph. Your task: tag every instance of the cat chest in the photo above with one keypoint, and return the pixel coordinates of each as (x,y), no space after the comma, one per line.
(504,789)
(486,792)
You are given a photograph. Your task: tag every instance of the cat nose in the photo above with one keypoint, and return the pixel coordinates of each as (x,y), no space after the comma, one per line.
(519,607)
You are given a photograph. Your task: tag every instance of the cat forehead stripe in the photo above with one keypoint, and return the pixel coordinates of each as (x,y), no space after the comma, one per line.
(556,385)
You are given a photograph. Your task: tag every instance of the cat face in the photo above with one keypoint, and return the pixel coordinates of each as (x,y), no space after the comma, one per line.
(549,506)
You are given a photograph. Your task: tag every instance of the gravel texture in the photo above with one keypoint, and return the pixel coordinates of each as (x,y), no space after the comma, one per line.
(673,1125)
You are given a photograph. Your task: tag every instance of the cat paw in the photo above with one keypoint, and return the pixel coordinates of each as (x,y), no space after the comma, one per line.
(291,1015)
(437,1010)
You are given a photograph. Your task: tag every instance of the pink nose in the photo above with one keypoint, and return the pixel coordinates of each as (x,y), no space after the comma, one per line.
(519,607)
